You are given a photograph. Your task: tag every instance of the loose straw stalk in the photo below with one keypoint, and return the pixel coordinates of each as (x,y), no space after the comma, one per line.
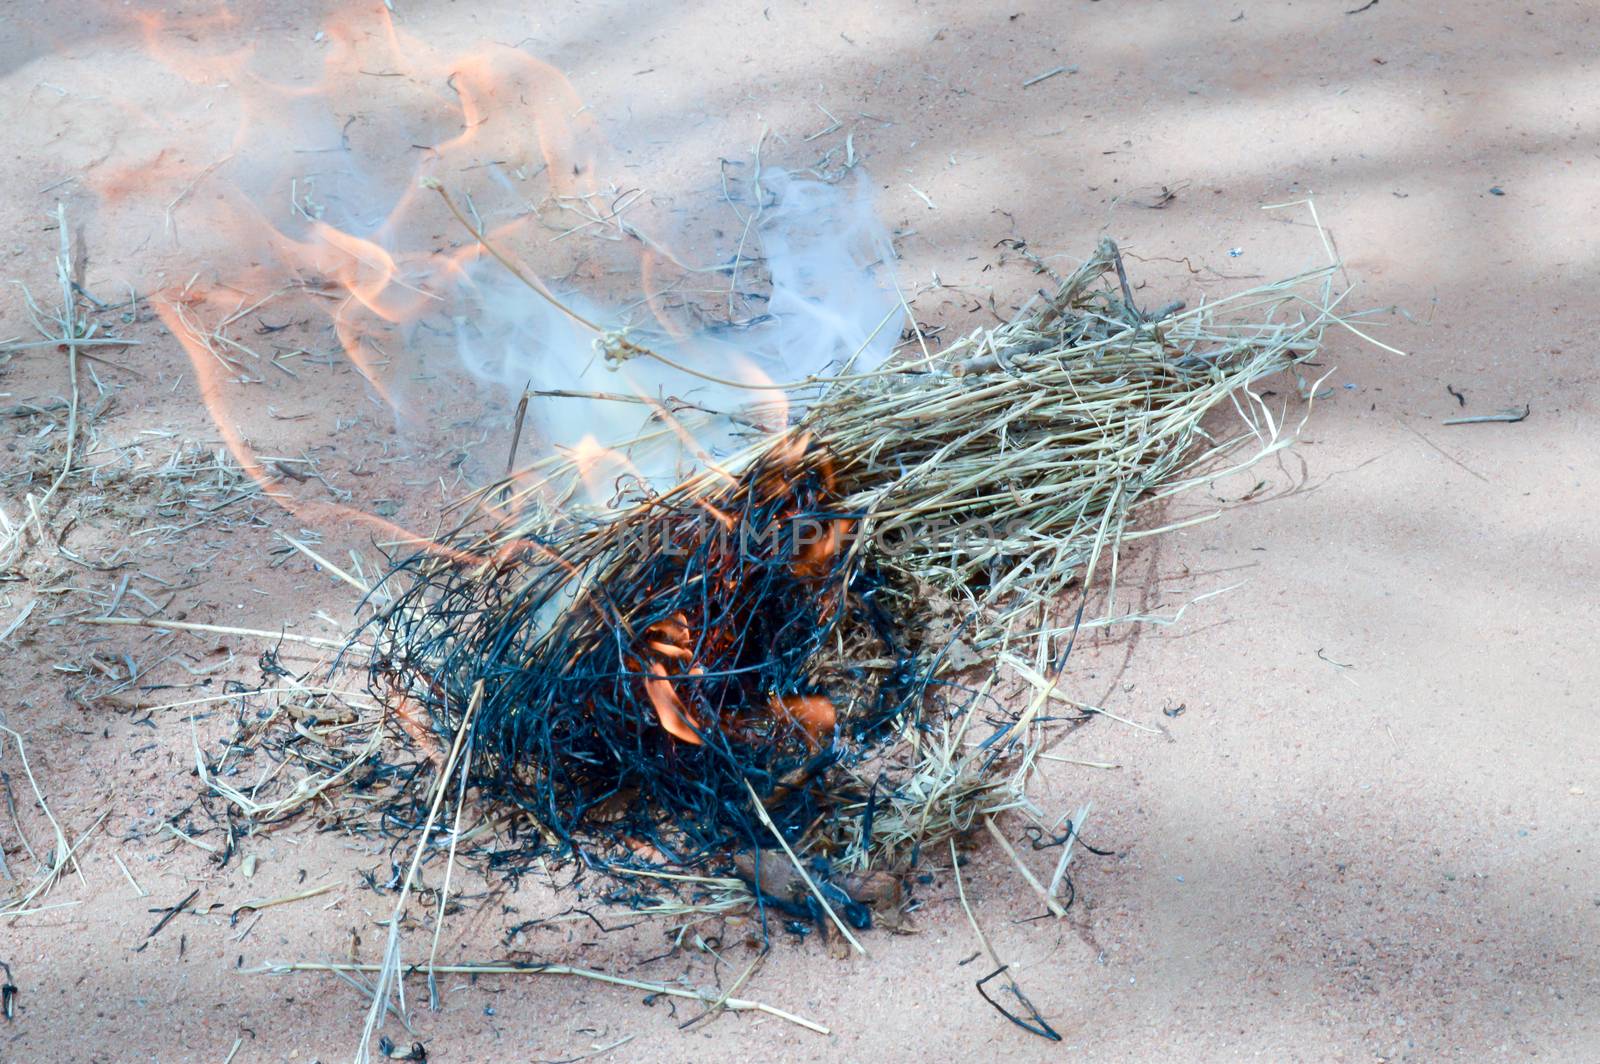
(389,970)
(732,1004)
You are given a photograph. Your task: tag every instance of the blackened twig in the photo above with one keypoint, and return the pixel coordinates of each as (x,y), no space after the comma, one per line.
(1122,279)
(170,913)
(516,433)
(1039,1026)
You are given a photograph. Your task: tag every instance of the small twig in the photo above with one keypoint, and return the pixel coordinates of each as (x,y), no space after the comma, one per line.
(449,868)
(1509,417)
(267,903)
(1043,1030)
(923,196)
(172,228)
(513,968)
(1048,74)
(1078,761)
(597,1051)
(139,891)
(191,840)
(1330,661)
(389,970)
(17,622)
(516,432)
(516,271)
(516,438)
(71,336)
(1122,281)
(64,850)
(329,566)
(1446,454)
(1047,689)
(1038,888)
(70,331)
(733,988)
(1073,828)
(185,626)
(171,912)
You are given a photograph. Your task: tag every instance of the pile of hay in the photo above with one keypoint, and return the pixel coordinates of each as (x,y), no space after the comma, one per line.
(784,645)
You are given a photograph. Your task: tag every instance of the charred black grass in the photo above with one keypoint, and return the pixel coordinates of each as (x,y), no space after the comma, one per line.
(637,674)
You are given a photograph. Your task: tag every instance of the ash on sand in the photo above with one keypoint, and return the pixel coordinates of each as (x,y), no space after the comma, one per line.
(756,657)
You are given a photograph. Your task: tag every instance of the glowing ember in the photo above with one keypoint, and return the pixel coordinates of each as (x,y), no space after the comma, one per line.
(814,714)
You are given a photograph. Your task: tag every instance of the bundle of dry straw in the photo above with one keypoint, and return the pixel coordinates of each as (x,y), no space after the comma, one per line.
(981,482)
(1011,468)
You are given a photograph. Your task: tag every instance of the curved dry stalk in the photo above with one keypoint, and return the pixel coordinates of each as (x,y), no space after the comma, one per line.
(732,1004)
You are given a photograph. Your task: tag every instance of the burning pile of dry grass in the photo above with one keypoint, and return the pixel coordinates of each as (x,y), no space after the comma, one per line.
(751,654)
(638,672)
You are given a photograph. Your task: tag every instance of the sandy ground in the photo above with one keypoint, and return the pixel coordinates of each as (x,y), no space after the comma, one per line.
(1369,834)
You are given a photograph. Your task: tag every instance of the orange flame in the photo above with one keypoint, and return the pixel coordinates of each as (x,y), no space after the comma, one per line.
(382,276)
(371,279)
(669,707)
(674,653)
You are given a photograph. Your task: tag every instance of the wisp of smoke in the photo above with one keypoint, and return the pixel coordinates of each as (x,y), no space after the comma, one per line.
(831,305)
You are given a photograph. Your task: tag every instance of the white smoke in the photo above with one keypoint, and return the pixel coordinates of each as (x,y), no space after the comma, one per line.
(832,304)
(833,298)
